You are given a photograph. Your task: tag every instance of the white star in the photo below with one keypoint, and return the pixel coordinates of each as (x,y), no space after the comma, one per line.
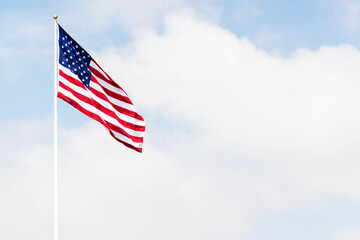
(76,46)
(65,44)
(63,38)
(67,59)
(70,57)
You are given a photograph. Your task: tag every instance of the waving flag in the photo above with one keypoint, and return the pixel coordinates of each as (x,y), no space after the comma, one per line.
(88,88)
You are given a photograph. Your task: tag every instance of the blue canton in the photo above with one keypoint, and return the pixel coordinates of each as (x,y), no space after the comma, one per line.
(74,57)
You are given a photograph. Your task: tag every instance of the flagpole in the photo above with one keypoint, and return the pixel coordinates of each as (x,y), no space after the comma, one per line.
(56,177)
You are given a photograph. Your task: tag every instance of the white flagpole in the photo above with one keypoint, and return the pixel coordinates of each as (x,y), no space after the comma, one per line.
(56,177)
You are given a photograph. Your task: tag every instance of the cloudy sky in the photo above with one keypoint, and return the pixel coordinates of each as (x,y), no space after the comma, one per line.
(252,114)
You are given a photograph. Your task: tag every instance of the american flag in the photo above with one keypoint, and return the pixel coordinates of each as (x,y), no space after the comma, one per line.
(88,88)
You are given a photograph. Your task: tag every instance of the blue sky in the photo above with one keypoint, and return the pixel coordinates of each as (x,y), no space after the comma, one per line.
(251,110)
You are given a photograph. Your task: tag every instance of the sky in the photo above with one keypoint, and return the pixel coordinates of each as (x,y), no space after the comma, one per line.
(251,110)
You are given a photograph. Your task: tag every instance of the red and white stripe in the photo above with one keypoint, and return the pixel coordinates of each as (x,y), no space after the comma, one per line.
(105,102)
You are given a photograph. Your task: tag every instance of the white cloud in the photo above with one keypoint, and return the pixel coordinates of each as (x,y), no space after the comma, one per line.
(26,180)
(295,116)
(269,38)
(347,233)
(233,134)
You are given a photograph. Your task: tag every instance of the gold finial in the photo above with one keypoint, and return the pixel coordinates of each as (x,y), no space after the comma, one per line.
(55,16)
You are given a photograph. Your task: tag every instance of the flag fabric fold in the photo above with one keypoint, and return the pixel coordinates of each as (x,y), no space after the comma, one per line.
(87,87)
